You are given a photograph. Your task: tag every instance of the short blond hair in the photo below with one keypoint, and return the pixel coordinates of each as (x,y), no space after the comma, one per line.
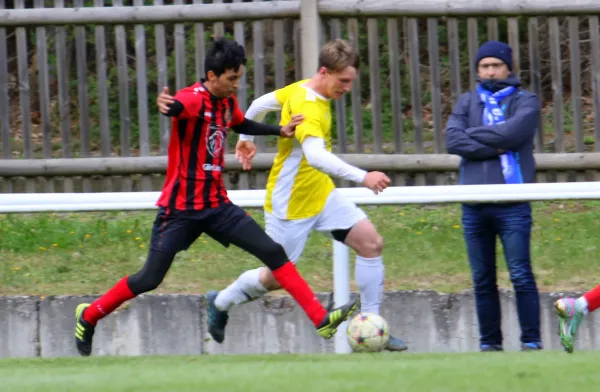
(338,54)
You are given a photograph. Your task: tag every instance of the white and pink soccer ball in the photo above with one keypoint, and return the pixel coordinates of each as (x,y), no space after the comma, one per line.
(368,332)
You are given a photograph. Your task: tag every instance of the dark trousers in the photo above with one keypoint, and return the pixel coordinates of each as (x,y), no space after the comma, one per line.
(512,223)
(176,231)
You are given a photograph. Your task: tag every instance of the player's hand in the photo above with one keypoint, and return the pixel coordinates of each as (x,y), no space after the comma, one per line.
(164,100)
(289,129)
(376,181)
(245,150)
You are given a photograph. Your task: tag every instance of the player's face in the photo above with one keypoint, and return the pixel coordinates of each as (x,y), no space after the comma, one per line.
(227,83)
(339,83)
(492,68)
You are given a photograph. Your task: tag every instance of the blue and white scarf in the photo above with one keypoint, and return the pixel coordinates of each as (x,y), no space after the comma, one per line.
(492,115)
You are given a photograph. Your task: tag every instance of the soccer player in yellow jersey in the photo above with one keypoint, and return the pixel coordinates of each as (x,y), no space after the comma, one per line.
(301,195)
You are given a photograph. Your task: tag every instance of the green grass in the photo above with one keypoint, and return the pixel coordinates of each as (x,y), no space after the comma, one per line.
(86,253)
(476,372)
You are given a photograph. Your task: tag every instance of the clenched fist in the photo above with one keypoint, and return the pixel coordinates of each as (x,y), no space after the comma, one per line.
(376,181)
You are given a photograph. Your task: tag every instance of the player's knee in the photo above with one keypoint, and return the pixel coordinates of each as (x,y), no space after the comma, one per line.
(365,240)
(152,274)
(274,255)
(152,282)
(377,244)
(142,282)
(370,246)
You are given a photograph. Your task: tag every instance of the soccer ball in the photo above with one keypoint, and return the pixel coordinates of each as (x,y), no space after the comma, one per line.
(368,332)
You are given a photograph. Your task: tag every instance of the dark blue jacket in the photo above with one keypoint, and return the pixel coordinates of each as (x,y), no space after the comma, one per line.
(478,144)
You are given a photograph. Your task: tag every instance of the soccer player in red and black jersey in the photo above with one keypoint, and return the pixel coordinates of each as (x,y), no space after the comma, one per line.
(194,199)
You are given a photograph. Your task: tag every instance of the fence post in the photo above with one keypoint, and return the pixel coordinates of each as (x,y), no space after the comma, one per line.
(309,28)
(341,291)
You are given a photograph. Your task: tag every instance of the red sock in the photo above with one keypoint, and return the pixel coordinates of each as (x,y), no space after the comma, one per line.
(289,278)
(106,304)
(593,298)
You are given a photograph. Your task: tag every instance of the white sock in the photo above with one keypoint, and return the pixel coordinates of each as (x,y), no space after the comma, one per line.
(369,278)
(245,289)
(582,304)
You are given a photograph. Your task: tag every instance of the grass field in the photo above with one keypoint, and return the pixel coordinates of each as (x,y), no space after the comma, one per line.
(47,254)
(473,372)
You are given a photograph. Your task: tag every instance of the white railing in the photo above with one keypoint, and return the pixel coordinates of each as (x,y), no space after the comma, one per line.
(119,201)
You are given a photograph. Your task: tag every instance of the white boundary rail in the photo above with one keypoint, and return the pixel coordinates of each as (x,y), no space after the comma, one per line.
(120,201)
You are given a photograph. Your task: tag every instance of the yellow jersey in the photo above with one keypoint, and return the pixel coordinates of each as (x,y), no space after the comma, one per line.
(295,190)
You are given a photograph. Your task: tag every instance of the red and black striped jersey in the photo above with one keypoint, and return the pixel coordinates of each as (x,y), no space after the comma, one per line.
(196,150)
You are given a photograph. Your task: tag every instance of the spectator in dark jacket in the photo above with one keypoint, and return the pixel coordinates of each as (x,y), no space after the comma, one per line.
(492,129)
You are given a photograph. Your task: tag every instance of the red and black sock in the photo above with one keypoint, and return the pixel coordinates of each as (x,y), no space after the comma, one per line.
(110,301)
(593,298)
(289,278)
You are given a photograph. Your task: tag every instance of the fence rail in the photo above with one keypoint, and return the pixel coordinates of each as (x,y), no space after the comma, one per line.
(497,193)
(390,8)
(216,12)
(222,12)
(127,174)
(157,165)
(81,80)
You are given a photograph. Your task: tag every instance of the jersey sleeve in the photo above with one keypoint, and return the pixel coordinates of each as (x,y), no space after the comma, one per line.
(311,126)
(191,101)
(283,93)
(237,116)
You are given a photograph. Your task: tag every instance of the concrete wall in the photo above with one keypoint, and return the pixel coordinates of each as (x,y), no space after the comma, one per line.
(176,324)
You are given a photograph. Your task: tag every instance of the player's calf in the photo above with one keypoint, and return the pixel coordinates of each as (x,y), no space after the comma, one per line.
(369,268)
(148,278)
(247,287)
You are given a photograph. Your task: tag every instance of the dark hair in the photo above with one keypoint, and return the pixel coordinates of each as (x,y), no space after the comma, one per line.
(224,54)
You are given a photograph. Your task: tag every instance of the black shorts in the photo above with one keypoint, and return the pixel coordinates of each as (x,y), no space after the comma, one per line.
(177,230)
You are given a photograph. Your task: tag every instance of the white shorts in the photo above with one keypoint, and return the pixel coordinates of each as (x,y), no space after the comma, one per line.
(339,213)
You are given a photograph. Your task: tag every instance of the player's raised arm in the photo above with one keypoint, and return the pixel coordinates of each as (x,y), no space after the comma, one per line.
(243,125)
(250,127)
(245,149)
(164,101)
(258,110)
(184,104)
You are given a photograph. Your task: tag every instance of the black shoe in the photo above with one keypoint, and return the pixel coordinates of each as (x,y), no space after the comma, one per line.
(217,319)
(84,331)
(395,344)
